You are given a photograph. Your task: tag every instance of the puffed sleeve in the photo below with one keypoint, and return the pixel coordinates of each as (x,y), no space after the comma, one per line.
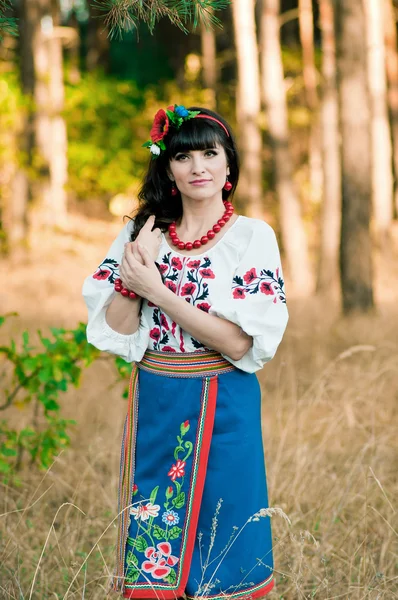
(256,301)
(98,291)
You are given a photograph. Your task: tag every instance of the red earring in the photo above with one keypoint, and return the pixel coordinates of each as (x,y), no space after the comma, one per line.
(174,190)
(228,186)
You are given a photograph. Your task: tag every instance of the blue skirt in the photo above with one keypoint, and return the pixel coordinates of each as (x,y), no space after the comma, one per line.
(192,482)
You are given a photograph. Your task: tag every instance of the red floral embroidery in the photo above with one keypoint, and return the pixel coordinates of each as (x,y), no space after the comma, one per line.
(205,306)
(266,283)
(155,333)
(102,274)
(239,293)
(164,322)
(266,289)
(108,269)
(168,349)
(207,273)
(188,289)
(250,276)
(176,262)
(194,264)
(172,286)
(163,268)
(177,470)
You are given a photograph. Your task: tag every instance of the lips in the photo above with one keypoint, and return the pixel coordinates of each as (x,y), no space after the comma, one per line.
(199,181)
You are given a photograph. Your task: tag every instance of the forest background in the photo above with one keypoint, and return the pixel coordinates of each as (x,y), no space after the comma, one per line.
(311,89)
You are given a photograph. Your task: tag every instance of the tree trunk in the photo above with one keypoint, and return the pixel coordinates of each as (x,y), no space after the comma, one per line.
(391,44)
(209,68)
(331,206)
(382,178)
(306,23)
(354,104)
(59,141)
(97,40)
(248,104)
(293,233)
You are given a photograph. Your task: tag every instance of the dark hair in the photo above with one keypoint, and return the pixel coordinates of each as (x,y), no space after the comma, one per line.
(194,134)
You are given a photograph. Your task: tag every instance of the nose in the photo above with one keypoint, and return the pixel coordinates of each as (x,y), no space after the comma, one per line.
(198,166)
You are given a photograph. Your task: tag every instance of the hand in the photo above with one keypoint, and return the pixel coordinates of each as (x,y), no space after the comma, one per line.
(148,238)
(141,276)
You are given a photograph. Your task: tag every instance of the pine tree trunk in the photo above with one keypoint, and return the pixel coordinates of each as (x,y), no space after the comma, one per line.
(354,104)
(248,104)
(293,233)
(306,23)
(209,67)
(391,44)
(382,178)
(331,206)
(59,141)
(97,40)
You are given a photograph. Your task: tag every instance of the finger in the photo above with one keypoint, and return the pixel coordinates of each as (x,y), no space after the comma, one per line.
(149,222)
(145,255)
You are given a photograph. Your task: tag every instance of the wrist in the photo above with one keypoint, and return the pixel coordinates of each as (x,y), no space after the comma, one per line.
(160,295)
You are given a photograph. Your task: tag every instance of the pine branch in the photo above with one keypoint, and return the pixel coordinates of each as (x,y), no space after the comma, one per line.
(124,15)
(8,25)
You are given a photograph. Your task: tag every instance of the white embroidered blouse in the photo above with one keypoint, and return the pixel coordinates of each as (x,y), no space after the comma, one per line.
(239,279)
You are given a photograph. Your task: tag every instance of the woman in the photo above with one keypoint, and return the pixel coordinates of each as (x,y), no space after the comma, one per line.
(197,318)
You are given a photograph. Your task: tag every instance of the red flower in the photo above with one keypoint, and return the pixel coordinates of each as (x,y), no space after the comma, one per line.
(239,293)
(102,274)
(164,322)
(266,289)
(168,349)
(188,289)
(194,264)
(207,273)
(250,275)
(172,286)
(160,126)
(155,333)
(177,470)
(176,263)
(163,268)
(203,306)
(186,423)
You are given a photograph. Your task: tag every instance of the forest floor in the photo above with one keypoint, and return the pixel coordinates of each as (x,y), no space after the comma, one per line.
(330,422)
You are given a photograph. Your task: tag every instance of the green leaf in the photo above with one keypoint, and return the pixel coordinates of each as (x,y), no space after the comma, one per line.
(171,577)
(158,533)
(147,144)
(174,532)
(154,493)
(139,543)
(179,501)
(131,558)
(8,452)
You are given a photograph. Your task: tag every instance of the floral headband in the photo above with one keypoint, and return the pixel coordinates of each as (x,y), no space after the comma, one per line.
(176,116)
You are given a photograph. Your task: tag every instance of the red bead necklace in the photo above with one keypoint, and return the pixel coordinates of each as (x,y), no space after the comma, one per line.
(229,209)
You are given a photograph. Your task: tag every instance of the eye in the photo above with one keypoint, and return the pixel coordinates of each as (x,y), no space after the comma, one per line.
(211,153)
(180,157)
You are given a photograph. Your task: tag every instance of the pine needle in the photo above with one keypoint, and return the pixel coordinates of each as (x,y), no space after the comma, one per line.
(124,15)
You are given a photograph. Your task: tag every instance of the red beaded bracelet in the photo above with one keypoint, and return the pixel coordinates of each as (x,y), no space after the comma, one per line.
(124,291)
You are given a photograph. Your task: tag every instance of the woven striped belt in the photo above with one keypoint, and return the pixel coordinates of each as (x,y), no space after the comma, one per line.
(185,364)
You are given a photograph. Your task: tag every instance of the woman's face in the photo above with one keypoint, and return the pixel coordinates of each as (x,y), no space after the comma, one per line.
(200,173)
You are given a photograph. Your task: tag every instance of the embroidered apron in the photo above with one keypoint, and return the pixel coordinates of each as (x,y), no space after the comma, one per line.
(192,482)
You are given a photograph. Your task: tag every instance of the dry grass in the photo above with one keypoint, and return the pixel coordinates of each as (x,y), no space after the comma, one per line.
(330,403)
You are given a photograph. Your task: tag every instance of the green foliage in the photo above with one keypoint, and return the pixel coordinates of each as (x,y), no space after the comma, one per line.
(36,378)
(108,120)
